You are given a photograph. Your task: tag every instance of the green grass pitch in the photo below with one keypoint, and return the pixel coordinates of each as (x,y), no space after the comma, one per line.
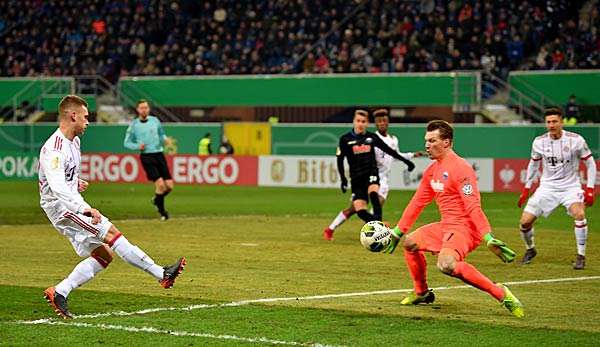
(259,274)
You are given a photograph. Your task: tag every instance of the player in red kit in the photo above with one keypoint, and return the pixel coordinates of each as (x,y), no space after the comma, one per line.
(451,182)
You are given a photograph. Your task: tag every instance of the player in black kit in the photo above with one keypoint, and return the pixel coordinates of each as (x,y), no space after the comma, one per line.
(358,146)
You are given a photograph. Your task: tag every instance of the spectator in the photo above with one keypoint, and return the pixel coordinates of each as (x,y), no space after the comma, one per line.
(571,111)
(226,147)
(204,145)
(115,38)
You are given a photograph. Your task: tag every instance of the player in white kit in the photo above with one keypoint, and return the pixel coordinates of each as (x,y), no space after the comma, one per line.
(559,151)
(91,234)
(384,167)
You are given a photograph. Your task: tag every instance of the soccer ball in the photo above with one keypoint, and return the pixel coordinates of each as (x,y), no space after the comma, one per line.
(375,236)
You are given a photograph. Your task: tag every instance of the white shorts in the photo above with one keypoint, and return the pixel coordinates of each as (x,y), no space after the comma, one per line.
(83,235)
(543,201)
(384,187)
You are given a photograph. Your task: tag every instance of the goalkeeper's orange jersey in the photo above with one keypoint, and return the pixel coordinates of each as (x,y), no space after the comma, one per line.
(453,184)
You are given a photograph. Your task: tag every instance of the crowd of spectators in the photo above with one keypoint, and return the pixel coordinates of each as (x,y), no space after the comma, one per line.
(188,37)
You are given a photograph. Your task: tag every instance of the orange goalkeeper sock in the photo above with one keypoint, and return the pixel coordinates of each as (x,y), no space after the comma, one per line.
(417,266)
(470,275)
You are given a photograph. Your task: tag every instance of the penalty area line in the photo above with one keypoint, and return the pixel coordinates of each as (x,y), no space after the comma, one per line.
(297,298)
(152,330)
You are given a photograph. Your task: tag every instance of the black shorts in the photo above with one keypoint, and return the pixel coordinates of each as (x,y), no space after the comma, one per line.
(360,186)
(155,166)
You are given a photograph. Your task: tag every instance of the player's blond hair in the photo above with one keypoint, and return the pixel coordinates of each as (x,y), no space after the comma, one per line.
(69,102)
(362,113)
(446,130)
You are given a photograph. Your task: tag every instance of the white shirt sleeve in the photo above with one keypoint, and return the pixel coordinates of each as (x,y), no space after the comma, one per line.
(532,172)
(536,151)
(586,156)
(534,164)
(52,163)
(407,155)
(591,171)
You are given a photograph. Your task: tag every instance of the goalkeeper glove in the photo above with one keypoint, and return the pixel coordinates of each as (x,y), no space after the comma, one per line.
(588,197)
(523,197)
(499,248)
(395,236)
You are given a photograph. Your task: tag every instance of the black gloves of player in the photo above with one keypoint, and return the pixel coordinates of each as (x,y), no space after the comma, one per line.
(344,185)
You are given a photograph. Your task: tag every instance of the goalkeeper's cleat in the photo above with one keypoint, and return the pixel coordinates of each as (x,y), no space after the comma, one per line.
(579,263)
(328,234)
(58,303)
(528,256)
(171,273)
(511,303)
(414,299)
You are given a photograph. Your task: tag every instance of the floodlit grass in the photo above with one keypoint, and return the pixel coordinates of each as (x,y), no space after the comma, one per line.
(247,243)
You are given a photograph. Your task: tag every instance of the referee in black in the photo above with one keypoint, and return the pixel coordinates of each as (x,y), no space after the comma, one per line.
(146,135)
(358,146)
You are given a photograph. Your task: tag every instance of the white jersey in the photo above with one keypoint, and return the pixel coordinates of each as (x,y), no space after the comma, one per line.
(384,160)
(60,162)
(560,159)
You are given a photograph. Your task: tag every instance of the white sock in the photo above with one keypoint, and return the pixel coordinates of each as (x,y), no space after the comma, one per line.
(136,257)
(581,232)
(83,272)
(338,220)
(527,237)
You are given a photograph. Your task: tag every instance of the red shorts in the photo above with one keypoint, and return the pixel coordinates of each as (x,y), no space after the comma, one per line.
(436,236)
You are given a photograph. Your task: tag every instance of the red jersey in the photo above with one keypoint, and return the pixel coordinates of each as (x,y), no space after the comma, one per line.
(453,184)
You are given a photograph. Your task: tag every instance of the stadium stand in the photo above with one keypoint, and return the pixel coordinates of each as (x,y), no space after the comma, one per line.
(119,38)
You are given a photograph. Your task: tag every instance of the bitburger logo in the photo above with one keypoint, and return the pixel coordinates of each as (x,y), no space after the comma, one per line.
(277,170)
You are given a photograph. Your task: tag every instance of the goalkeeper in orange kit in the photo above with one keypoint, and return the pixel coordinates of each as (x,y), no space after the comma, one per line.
(451,182)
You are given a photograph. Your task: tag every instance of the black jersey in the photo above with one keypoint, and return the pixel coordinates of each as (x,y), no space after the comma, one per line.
(360,151)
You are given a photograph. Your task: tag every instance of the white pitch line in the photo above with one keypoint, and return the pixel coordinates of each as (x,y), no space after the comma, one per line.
(296,298)
(144,329)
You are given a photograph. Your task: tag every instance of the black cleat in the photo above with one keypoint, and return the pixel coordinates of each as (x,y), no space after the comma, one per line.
(171,273)
(528,256)
(58,303)
(579,263)
(164,216)
(153,201)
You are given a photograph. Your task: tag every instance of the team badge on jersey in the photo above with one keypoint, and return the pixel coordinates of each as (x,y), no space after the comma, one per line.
(369,140)
(467,189)
(437,186)
(445,175)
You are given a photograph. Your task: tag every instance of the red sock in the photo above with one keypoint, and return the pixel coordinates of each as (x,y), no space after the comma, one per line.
(469,274)
(417,266)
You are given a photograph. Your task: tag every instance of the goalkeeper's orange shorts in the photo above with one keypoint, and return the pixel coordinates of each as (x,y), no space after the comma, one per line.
(436,236)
